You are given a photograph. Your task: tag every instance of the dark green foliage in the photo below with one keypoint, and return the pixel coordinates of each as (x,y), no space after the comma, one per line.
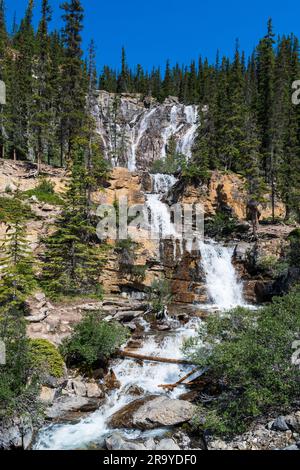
(73,255)
(221,224)
(93,341)
(12,208)
(45,357)
(249,355)
(18,381)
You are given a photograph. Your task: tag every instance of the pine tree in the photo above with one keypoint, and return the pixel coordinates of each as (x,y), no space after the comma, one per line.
(72,259)
(73,89)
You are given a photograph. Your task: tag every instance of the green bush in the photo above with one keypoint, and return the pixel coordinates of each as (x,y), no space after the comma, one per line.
(93,341)
(46,357)
(222,224)
(44,192)
(160,295)
(272,266)
(249,355)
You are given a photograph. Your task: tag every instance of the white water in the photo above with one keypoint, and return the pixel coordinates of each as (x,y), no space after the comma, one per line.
(185,144)
(136,136)
(223,287)
(148,376)
(160,214)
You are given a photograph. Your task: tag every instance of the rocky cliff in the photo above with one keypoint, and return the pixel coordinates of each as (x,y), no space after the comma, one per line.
(135,131)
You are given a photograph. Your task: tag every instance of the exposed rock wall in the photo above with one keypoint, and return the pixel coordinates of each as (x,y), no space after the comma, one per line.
(135,131)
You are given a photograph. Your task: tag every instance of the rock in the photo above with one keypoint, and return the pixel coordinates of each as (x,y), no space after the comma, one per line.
(110,381)
(39,296)
(279,424)
(34,199)
(47,394)
(117,442)
(93,390)
(79,387)
(152,412)
(292,447)
(135,390)
(16,433)
(167,444)
(293,421)
(128,316)
(67,404)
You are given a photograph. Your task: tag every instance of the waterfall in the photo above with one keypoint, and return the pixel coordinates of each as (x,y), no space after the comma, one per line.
(160,215)
(136,136)
(185,144)
(223,287)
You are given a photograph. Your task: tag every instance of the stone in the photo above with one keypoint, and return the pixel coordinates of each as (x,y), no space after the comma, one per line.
(280,424)
(152,412)
(110,381)
(167,444)
(47,394)
(117,442)
(16,433)
(135,390)
(79,387)
(93,390)
(292,447)
(293,421)
(67,404)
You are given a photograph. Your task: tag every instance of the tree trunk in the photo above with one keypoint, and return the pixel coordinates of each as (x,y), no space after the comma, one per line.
(142,357)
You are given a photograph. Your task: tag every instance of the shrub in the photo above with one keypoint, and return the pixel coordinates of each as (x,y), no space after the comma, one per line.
(46,357)
(221,224)
(160,295)
(249,355)
(271,265)
(44,192)
(93,341)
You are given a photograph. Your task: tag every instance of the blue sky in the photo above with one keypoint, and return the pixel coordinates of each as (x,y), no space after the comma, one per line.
(179,30)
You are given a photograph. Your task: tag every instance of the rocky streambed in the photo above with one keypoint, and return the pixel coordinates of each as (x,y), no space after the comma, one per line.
(133,408)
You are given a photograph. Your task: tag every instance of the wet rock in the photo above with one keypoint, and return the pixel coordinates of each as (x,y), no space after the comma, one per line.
(67,404)
(135,390)
(117,442)
(79,387)
(110,381)
(152,412)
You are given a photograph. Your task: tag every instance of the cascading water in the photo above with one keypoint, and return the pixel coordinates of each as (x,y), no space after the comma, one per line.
(185,144)
(161,226)
(94,429)
(136,136)
(223,287)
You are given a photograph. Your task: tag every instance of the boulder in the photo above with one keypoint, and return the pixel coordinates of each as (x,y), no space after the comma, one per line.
(280,424)
(69,404)
(152,412)
(110,381)
(93,390)
(47,394)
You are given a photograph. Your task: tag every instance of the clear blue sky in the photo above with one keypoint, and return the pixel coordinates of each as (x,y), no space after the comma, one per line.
(179,30)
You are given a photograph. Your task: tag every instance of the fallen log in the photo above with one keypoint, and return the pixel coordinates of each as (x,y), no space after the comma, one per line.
(141,357)
(180,382)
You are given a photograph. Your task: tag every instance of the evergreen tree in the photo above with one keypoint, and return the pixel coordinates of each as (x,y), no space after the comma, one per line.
(72,259)
(73,89)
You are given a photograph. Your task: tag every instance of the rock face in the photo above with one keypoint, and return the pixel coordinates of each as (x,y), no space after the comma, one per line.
(135,131)
(153,412)
(16,434)
(70,404)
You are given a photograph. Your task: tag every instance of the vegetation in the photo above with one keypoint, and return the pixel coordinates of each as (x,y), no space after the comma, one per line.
(93,341)
(12,207)
(221,224)
(45,357)
(18,381)
(249,356)
(45,192)
(160,295)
